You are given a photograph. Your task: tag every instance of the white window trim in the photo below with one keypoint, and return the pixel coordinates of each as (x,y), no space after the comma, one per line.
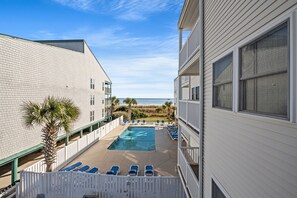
(219,185)
(223,55)
(292,17)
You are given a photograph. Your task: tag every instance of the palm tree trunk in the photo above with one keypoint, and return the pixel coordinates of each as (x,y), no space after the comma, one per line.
(129,114)
(49,138)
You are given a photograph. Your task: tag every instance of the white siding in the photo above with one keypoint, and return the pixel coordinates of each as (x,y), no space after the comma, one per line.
(32,71)
(195,81)
(251,156)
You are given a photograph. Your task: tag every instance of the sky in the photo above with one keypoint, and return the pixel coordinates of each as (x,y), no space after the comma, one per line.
(136,41)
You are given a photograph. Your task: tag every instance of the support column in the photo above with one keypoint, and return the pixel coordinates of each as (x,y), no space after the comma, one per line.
(91,128)
(180,39)
(81,133)
(66,140)
(14,171)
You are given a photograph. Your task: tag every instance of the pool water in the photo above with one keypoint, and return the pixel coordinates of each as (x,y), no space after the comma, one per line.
(135,138)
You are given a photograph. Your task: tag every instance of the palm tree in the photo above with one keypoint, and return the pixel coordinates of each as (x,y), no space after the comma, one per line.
(130,102)
(52,115)
(114,102)
(167,106)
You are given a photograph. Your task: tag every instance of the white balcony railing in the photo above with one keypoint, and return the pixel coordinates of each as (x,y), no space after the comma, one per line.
(189,112)
(190,46)
(189,177)
(185,80)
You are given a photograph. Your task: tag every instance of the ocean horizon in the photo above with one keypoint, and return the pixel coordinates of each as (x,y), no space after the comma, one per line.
(149,101)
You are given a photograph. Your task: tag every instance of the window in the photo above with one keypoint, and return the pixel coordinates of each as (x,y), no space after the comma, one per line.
(103,84)
(92,116)
(92,100)
(222,82)
(92,83)
(195,93)
(103,113)
(102,101)
(264,78)
(216,191)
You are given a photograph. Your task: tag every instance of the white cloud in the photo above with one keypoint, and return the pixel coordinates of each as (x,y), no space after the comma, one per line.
(78,4)
(142,67)
(131,10)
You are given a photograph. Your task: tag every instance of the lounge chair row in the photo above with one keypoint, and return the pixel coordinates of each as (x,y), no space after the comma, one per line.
(173,133)
(114,170)
(162,123)
(76,167)
(148,170)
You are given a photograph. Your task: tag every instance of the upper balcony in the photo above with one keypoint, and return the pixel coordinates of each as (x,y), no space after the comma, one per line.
(107,90)
(189,51)
(189,113)
(185,81)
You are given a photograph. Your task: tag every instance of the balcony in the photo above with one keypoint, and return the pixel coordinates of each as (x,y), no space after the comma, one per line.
(189,112)
(107,102)
(107,91)
(188,158)
(190,47)
(185,81)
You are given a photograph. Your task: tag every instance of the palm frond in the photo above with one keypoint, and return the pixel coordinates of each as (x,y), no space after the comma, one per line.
(31,114)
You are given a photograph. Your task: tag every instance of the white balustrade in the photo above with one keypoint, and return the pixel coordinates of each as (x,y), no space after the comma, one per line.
(66,154)
(76,184)
(190,46)
(189,112)
(190,179)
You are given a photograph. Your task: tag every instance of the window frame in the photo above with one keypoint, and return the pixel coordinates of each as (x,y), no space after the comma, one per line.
(219,185)
(92,116)
(92,83)
(222,56)
(277,26)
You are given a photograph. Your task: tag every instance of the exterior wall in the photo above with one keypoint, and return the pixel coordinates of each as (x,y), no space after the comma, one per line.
(195,81)
(32,71)
(249,155)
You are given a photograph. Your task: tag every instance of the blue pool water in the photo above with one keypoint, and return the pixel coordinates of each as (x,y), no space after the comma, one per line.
(135,138)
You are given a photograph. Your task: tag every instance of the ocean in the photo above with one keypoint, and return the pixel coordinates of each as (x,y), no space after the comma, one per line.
(149,101)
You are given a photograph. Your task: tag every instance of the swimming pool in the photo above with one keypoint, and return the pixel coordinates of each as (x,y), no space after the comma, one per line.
(135,138)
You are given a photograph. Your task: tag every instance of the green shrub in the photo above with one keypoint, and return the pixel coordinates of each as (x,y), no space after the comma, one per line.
(119,114)
(135,114)
(122,108)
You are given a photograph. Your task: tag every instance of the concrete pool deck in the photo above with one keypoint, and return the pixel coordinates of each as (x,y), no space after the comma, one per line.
(164,158)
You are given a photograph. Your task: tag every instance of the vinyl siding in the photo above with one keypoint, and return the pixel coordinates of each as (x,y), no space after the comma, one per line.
(250,155)
(32,71)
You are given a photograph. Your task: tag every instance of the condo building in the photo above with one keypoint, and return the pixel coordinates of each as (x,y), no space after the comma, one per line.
(33,70)
(237,95)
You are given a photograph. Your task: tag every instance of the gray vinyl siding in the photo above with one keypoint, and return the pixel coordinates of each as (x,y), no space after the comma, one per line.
(32,71)
(250,155)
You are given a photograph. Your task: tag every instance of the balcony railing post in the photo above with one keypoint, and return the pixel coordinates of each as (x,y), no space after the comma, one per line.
(187,111)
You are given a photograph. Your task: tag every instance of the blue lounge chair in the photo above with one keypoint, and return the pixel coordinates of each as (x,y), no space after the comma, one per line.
(171,126)
(143,121)
(73,166)
(125,122)
(133,121)
(133,170)
(84,168)
(138,121)
(163,122)
(158,122)
(93,170)
(149,170)
(113,171)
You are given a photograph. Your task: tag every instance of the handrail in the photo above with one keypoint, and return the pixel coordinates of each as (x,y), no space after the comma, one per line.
(190,34)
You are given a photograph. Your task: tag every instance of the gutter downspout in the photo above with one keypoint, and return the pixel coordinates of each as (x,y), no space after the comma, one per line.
(201,113)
